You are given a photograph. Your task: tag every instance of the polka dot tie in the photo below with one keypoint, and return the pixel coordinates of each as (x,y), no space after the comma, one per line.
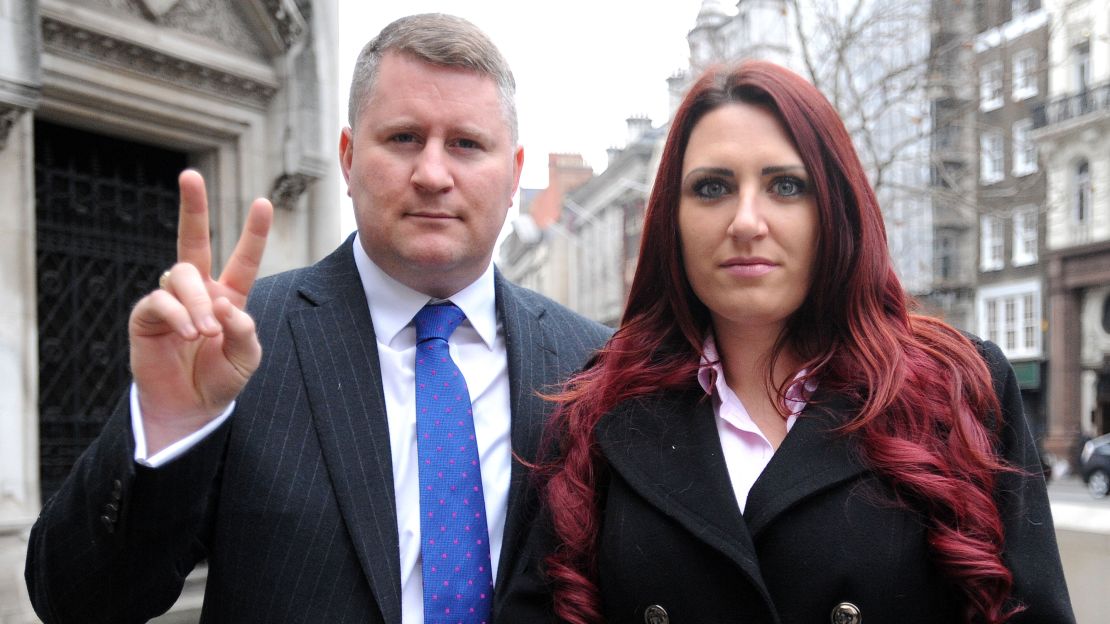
(454,546)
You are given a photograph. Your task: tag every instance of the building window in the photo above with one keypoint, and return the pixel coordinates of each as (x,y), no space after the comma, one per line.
(991,157)
(990,86)
(1028,322)
(944,252)
(992,320)
(1010,316)
(1025,75)
(991,243)
(1025,150)
(1020,7)
(1025,237)
(1081,201)
(1010,324)
(1082,67)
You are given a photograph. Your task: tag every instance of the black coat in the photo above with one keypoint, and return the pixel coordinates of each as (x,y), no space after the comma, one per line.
(291,500)
(818,530)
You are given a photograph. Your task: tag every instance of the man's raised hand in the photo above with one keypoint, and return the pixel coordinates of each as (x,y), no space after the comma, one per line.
(193,347)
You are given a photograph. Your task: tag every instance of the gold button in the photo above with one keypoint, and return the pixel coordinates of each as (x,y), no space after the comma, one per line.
(846,613)
(656,615)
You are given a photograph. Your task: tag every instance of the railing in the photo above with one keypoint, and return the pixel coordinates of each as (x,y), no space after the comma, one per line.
(1093,99)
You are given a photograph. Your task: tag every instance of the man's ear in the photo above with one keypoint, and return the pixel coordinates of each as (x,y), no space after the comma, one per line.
(346,153)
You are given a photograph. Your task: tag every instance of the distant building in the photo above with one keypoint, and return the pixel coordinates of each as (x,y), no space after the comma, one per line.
(604,218)
(535,253)
(1072,130)
(102,104)
(1011,67)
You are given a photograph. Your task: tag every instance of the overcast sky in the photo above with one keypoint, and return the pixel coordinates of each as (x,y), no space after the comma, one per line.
(582,66)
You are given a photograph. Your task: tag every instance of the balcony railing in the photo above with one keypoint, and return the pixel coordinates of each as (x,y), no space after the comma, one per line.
(1093,99)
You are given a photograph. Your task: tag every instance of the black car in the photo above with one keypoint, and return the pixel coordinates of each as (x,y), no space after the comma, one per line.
(1094,465)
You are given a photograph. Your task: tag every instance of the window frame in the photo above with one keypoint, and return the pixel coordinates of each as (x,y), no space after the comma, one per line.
(1028,76)
(991,86)
(992,157)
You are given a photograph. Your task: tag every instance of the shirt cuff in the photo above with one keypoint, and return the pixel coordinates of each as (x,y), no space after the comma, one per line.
(174,450)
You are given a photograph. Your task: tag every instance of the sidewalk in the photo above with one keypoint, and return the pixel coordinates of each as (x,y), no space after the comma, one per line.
(1083,533)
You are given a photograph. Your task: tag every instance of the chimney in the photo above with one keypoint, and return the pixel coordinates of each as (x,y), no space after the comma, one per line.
(637,126)
(613,153)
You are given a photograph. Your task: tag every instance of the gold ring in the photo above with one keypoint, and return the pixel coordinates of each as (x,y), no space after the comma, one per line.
(165,277)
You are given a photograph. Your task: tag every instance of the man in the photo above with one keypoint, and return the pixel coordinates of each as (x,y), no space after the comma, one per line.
(296,458)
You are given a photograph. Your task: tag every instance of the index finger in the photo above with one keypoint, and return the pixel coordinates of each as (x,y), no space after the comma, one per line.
(193,240)
(242,266)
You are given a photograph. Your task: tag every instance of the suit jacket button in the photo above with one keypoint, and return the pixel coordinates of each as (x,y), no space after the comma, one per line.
(656,615)
(117,489)
(109,523)
(846,613)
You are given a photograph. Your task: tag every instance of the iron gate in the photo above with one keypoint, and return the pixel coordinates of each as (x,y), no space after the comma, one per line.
(106,227)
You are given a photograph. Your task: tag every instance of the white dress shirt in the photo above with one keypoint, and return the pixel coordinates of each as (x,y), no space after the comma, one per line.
(746,450)
(478,347)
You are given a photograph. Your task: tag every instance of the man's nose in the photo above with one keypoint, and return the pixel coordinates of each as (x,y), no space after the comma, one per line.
(431,171)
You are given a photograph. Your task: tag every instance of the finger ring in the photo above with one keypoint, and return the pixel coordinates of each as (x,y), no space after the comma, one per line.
(163,279)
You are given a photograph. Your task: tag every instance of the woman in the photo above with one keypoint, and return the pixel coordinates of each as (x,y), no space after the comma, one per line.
(772,436)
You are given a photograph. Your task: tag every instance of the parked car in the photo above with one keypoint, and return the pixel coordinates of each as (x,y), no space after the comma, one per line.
(1094,465)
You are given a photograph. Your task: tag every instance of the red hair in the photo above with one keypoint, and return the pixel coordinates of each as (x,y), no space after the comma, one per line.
(926,395)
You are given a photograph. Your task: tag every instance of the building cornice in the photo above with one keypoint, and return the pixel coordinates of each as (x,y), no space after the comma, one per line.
(166,57)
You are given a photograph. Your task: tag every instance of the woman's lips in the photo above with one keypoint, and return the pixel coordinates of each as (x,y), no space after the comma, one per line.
(748,267)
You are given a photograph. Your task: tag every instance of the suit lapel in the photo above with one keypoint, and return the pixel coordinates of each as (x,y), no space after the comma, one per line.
(531,358)
(668,450)
(812,458)
(339,358)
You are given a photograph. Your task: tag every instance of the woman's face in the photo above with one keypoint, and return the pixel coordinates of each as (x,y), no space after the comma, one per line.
(747,219)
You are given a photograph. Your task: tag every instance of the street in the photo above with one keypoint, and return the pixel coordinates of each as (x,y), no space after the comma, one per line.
(1083,532)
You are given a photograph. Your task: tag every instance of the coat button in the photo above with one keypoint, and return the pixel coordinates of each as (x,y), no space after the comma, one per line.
(656,615)
(846,613)
(109,523)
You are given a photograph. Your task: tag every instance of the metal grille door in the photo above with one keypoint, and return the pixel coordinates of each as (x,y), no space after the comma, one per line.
(106,219)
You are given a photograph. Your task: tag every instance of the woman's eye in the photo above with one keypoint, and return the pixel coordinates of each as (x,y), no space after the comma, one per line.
(788,187)
(711,189)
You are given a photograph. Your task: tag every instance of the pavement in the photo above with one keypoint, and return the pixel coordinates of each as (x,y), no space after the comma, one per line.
(1083,534)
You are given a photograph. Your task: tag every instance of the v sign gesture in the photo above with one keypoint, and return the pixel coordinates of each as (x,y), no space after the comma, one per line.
(193,347)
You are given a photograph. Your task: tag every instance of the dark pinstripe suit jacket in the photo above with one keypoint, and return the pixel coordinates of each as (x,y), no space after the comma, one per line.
(290,501)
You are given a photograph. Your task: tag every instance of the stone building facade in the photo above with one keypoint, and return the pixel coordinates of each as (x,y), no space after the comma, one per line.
(1072,130)
(102,102)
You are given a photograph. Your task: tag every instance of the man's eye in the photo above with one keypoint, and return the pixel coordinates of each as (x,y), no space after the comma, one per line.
(405,137)
(788,187)
(467,144)
(711,189)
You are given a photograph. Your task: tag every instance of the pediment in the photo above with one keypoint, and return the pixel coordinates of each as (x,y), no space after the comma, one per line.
(280,23)
(258,28)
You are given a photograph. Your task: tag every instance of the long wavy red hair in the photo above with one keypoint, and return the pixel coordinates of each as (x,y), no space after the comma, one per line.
(925,394)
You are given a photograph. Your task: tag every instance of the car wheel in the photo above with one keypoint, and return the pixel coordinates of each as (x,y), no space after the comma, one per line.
(1098,484)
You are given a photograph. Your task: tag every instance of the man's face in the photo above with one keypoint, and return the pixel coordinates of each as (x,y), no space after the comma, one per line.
(431,169)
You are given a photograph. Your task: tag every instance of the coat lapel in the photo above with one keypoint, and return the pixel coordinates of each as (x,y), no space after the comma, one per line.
(668,450)
(812,458)
(339,358)
(531,353)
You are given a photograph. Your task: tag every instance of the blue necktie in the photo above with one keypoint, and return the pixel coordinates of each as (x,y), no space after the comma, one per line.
(454,540)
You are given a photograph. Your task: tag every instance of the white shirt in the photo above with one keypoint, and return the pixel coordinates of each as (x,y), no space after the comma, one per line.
(478,346)
(747,451)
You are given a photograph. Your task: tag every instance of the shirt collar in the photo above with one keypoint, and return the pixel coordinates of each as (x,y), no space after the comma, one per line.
(392,304)
(711,376)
